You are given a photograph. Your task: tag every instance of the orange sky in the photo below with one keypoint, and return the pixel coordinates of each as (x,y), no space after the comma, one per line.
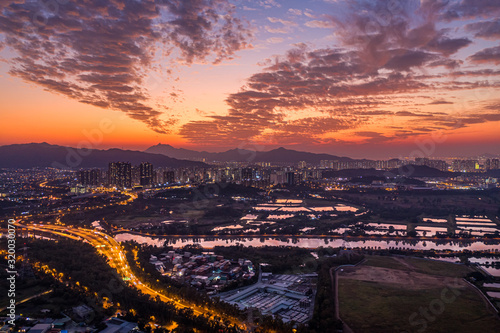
(302,75)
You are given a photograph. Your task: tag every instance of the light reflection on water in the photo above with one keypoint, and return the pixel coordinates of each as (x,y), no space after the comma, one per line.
(491,270)
(312,243)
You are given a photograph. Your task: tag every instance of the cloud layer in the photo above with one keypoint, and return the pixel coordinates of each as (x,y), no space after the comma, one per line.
(388,54)
(99,52)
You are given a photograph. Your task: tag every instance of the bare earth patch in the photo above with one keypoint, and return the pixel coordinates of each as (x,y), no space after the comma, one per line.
(408,279)
(403,294)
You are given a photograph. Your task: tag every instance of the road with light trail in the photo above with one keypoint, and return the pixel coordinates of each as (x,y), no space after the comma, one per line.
(108,246)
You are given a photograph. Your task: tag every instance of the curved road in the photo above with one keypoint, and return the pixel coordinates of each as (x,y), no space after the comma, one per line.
(108,246)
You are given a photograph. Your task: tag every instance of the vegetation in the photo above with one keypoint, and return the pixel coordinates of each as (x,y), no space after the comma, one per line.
(412,295)
(324,308)
(78,266)
(278,259)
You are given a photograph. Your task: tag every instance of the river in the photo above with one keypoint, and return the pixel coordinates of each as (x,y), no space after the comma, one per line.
(312,243)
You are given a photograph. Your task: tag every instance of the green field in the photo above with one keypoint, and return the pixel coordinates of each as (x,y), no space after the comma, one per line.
(426,266)
(387,294)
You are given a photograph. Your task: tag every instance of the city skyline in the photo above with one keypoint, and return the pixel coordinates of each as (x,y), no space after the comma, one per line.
(349,78)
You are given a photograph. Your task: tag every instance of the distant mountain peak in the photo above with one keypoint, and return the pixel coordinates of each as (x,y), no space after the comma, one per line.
(46,155)
(164,145)
(277,155)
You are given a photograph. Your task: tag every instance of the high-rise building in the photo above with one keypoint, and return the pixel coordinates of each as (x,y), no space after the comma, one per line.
(492,164)
(465,165)
(146,174)
(120,174)
(91,177)
(325,164)
(436,164)
(168,177)
(247,174)
(136,175)
(439,164)
(293,178)
(394,163)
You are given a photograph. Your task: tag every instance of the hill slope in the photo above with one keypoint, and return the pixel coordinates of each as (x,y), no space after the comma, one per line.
(45,155)
(242,155)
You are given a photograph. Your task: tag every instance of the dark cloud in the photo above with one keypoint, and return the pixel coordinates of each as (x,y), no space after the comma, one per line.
(201,28)
(485,29)
(467,9)
(441,101)
(397,35)
(411,114)
(447,63)
(409,59)
(479,118)
(495,105)
(372,137)
(447,46)
(488,55)
(99,52)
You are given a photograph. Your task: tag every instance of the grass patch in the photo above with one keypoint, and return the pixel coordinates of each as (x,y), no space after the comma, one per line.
(375,306)
(434,267)
(385,262)
(380,307)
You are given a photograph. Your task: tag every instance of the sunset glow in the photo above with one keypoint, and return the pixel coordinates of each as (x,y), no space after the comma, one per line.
(355,78)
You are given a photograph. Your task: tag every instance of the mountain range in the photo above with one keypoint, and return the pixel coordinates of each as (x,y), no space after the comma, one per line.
(32,155)
(46,155)
(279,155)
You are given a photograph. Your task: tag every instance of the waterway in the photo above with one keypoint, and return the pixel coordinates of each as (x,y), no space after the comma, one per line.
(313,243)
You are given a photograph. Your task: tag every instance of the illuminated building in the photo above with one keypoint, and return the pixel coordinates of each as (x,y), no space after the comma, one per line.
(120,174)
(90,177)
(169,177)
(146,174)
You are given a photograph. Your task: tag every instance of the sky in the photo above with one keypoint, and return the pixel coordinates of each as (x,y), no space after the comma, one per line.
(358,78)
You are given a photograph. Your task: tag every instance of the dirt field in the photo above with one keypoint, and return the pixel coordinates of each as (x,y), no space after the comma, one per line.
(408,279)
(401,294)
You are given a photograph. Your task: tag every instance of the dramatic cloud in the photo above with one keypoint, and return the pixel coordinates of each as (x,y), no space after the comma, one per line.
(403,34)
(485,29)
(329,82)
(447,46)
(388,54)
(467,9)
(440,102)
(99,52)
(376,71)
(409,59)
(491,54)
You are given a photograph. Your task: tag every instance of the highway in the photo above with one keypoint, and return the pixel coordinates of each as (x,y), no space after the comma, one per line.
(108,246)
